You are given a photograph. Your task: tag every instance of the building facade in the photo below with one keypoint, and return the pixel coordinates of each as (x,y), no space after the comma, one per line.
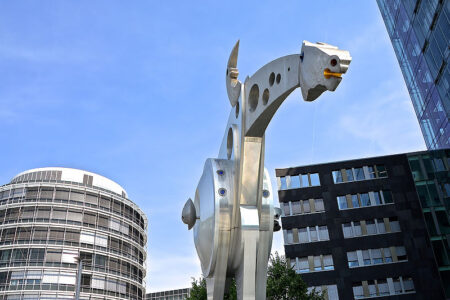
(179,294)
(50,218)
(374,227)
(420,34)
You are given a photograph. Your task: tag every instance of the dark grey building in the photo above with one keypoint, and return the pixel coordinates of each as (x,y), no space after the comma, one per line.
(179,294)
(420,34)
(372,227)
(52,217)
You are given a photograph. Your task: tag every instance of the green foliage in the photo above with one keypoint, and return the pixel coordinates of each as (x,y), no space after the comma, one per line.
(282,284)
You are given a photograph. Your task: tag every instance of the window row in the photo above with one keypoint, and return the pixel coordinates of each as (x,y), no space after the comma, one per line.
(71,237)
(58,257)
(298,181)
(38,175)
(361,173)
(306,235)
(383,287)
(302,207)
(312,263)
(330,292)
(369,257)
(80,197)
(376,198)
(36,279)
(70,216)
(368,227)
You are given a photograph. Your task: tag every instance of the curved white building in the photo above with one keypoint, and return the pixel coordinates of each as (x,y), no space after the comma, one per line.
(50,218)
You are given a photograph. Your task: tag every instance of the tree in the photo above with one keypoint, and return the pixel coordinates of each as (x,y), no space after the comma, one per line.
(282,284)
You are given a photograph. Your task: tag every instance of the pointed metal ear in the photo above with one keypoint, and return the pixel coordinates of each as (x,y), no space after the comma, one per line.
(233,84)
(189,215)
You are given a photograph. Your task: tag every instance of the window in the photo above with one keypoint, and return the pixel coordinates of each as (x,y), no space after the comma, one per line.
(380,225)
(371,228)
(56,235)
(74,216)
(313,263)
(394,224)
(53,255)
(357,228)
(283,184)
(342,202)
(305,181)
(376,256)
(319,206)
(289,236)
(315,181)
(401,253)
(387,255)
(387,196)
(303,265)
(313,234)
(303,235)
(347,230)
(323,233)
(59,214)
(355,201)
(359,174)
(306,207)
(37,254)
(381,170)
(349,173)
(286,209)
(337,176)
(296,208)
(408,284)
(365,199)
(358,292)
(352,258)
(377,198)
(295,182)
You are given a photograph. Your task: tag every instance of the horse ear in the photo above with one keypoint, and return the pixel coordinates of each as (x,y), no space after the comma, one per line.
(232,83)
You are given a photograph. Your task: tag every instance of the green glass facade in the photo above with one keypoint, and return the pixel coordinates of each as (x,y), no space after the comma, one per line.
(431,173)
(420,34)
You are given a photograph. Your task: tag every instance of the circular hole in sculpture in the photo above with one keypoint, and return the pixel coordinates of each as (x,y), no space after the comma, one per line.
(229,143)
(265,96)
(220,172)
(278,78)
(333,62)
(271,78)
(253,97)
(289,68)
(237,109)
(222,191)
(266,193)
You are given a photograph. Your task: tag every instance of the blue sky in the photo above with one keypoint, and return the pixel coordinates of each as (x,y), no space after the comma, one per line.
(135,91)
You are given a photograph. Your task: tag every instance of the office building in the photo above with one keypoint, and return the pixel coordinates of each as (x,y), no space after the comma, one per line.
(51,218)
(179,294)
(420,34)
(372,227)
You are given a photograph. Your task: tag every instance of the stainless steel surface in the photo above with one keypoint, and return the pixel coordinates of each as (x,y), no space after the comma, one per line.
(233,201)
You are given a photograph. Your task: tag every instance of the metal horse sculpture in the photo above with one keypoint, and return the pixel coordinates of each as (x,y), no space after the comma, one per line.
(233,214)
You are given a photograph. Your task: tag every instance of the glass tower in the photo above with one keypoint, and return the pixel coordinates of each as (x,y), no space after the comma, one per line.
(53,218)
(420,34)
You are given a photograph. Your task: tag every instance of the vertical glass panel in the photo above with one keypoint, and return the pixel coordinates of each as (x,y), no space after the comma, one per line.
(380,225)
(303,265)
(283,184)
(357,228)
(371,170)
(289,236)
(355,201)
(317,263)
(347,230)
(381,169)
(387,195)
(296,208)
(394,224)
(323,233)
(383,287)
(342,202)
(401,253)
(286,209)
(352,259)
(359,174)
(303,235)
(53,255)
(349,174)
(337,176)
(314,179)
(318,203)
(371,228)
(358,292)
(408,284)
(376,256)
(305,181)
(365,199)
(295,182)
(377,198)
(313,234)
(306,206)
(366,257)
(328,262)
(397,286)
(387,255)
